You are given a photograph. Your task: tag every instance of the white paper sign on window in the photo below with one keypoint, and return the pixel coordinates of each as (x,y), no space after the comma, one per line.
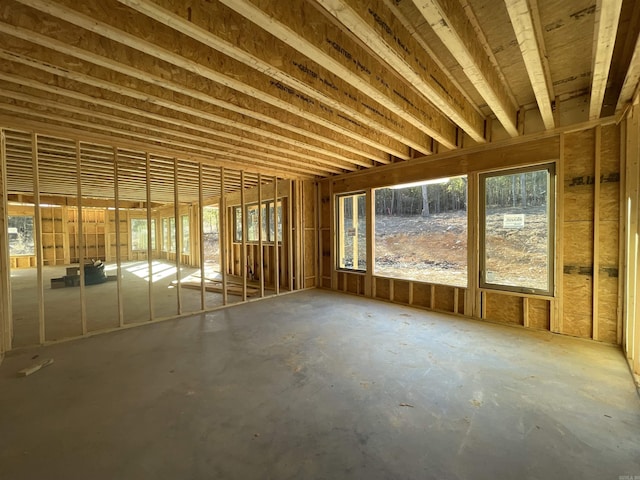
(513,220)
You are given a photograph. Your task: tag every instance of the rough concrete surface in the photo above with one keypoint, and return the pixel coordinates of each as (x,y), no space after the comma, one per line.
(320,385)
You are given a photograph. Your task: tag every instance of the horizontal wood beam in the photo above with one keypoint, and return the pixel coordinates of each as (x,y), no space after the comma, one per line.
(375,25)
(97,18)
(207,23)
(449,21)
(522,21)
(605,30)
(126,71)
(334,50)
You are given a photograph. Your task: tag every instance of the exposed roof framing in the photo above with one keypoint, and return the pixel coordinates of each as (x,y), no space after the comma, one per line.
(304,88)
(606,28)
(449,21)
(529,40)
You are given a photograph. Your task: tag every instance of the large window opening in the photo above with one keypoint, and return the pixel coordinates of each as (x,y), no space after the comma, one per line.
(352,231)
(139,235)
(20,232)
(421,231)
(516,227)
(268,219)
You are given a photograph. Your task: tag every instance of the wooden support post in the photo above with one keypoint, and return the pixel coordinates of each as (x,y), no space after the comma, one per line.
(318,242)
(260,238)
(391,290)
(432,304)
(456,298)
(596,234)
(116,198)
(276,253)
(243,253)
(473,299)
(149,226)
(80,232)
(355,225)
(525,312)
(38,237)
(6,320)
(178,232)
(622,267)
(334,232)
(201,237)
(222,235)
(410,293)
(370,236)
(291,224)
(557,318)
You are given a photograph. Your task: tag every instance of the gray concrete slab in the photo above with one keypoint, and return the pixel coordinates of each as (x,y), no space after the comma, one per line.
(321,385)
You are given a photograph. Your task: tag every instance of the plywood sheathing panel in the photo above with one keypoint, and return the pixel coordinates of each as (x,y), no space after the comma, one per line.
(579,158)
(422,295)
(567,28)
(382,288)
(539,313)
(503,308)
(496,25)
(401,291)
(444,298)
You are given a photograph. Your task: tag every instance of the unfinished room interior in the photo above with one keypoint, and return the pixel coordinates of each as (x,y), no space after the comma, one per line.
(320,239)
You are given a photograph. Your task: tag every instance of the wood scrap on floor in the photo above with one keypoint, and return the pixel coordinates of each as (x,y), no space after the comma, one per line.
(25,372)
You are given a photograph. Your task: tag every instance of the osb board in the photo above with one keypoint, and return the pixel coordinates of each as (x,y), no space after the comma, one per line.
(608,244)
(579,155)
(444,298)
(578,203)
(309,253)
(609,209)
(504,308)
(422,295)
(325,205)
(539,313)
(607,308)
(309,200)
(326,282)
(309,282)
(355,283)
(401,291)
(382,288)
(578,243)
(576,324)
(578,294)
(341,282)
(610,149)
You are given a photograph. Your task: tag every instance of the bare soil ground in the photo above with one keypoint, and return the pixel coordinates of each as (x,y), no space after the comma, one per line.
(434,248)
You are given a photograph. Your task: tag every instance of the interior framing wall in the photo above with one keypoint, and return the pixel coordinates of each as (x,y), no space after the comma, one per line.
(587,226)
(76,213)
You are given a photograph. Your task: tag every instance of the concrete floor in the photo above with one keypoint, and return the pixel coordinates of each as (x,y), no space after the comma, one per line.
(62,306)
(321,385)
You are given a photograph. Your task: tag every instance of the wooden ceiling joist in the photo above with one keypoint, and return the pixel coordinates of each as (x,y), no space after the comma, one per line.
(336,52)
(606,28)
(523,25)
(631,79)
(254,84)
(207,24)
(449,21)
(374,24)
(168,87)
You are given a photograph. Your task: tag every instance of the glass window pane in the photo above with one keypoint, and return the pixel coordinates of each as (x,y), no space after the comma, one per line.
(421,232)
(352,231)
(237,215)
(139,234)
(165,235)
(517,230)
(172,234)
(252,223)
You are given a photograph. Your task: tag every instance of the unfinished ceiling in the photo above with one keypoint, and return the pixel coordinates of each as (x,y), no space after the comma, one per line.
(303,88)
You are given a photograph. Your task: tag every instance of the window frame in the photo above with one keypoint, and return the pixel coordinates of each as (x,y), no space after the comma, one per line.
(551,224)
(269,224)
(338,223)
(153,233)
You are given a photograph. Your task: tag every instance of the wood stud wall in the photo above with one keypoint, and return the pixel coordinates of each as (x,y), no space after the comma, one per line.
(86,195)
